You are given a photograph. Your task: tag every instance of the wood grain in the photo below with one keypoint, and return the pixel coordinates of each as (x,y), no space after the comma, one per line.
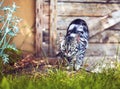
(97,25)
(86,1)
(81,9)
(102,50)
(39,27)
(100,15)
(53,26)
(116,27)
(107,36)
(63,22)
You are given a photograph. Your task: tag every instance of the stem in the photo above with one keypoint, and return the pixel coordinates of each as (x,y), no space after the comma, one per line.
(7,20)
(3,39)
(4,24)
(1,3)
(7,26)
(5,44)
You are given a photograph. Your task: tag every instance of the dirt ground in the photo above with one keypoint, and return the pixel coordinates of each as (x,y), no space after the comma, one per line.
(29,64)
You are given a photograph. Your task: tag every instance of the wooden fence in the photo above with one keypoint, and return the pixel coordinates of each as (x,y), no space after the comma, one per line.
(102,17)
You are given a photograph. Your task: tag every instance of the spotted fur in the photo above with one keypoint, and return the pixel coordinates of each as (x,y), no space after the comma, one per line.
(73,46)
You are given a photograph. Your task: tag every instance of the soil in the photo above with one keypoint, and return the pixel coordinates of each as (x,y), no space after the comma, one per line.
(30,64)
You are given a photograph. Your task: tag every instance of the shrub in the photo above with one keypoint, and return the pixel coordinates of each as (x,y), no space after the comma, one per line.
(8,29)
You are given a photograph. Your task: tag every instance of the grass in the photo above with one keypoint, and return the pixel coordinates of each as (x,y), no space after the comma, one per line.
(57,79)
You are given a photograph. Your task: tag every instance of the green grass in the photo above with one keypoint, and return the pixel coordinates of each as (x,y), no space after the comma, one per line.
(57,79)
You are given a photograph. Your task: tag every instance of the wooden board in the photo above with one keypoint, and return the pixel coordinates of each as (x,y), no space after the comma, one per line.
(53,26)
(116,27)
(63,22)
(95,25)
(86,0)
(39,27)
(98,17)
(102,49)
(107,36)
(83,9)
(79,9)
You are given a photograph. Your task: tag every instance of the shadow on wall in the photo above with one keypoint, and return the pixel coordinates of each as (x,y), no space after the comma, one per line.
(25,38)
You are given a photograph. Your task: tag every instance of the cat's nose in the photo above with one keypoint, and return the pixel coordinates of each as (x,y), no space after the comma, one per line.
(66,51)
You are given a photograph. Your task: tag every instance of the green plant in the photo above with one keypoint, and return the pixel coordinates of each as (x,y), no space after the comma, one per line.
(14,56)
(8,29)
(58,79)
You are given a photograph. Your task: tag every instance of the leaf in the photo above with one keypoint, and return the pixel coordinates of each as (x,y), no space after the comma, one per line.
(87,87)
(13,47)
(6,8)
(9,16)
(16,29)
(30,85)
(18,20)
(5,84)
(5,58)
(14,7)
(11,33)
(7,30)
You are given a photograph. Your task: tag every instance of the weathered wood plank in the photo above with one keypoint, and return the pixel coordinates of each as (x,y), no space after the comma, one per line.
(78,9)
(53,27)
(105,22)
(39,27)
(91,13)
(86,0)
(97,25)
(63,22)
(116,27)
(102,50)
(107,36)
(82,9)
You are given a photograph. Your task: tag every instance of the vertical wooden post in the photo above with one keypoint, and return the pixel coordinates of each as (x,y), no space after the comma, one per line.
(39,27)
(53,27)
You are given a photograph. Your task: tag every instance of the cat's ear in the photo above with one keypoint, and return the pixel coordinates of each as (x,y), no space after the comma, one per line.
(71,27)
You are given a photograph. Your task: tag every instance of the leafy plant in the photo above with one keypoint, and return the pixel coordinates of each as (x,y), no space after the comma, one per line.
(14,56)
(8,29)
